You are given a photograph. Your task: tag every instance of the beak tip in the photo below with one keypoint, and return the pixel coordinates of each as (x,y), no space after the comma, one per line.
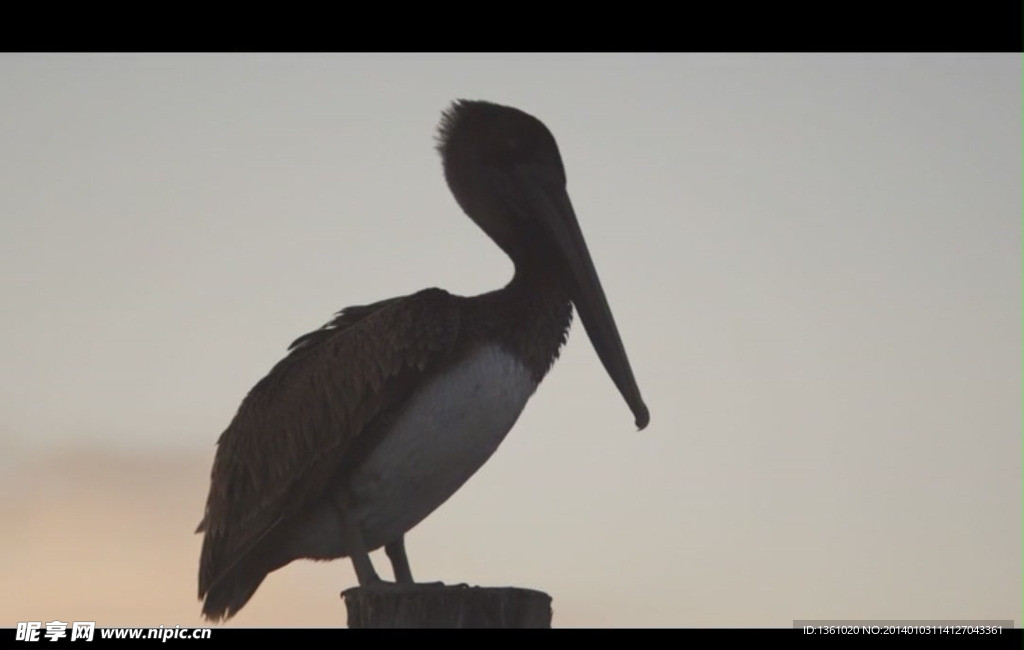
(643,416)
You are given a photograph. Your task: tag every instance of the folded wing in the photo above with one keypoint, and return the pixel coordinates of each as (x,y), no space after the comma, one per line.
(290,436)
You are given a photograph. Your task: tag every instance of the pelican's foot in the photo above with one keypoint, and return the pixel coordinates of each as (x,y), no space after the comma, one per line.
(384,585)
(376,586)
(428,584)
(379,586)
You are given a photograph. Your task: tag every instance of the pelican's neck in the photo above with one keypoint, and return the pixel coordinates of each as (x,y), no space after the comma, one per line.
(538,302)
(546,279)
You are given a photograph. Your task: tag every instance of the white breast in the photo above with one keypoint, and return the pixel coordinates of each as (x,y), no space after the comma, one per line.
(450,427)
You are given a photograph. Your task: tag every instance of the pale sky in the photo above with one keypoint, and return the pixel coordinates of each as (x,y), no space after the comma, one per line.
(814,262)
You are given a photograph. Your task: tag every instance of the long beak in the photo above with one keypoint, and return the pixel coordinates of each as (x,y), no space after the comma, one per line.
(554,209)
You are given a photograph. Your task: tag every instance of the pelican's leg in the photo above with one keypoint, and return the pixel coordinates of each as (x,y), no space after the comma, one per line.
(352,538)
(399,560)
(364,568)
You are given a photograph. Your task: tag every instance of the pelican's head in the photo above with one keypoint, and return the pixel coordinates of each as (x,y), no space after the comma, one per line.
(504,168)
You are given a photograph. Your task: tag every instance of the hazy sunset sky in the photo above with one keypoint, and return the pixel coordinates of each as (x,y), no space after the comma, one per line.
(814,262)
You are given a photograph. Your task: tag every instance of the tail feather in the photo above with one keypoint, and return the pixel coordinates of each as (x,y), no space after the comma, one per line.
(230,594)
(226,585)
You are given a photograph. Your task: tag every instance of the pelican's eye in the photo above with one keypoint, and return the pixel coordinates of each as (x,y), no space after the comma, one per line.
(507,149)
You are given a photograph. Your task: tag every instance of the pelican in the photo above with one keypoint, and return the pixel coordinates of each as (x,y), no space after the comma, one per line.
(374,420)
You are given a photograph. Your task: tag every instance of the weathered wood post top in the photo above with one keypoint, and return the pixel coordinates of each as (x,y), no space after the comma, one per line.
(435,605)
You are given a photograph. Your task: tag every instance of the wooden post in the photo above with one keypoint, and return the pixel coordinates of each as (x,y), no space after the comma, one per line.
(439,605)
